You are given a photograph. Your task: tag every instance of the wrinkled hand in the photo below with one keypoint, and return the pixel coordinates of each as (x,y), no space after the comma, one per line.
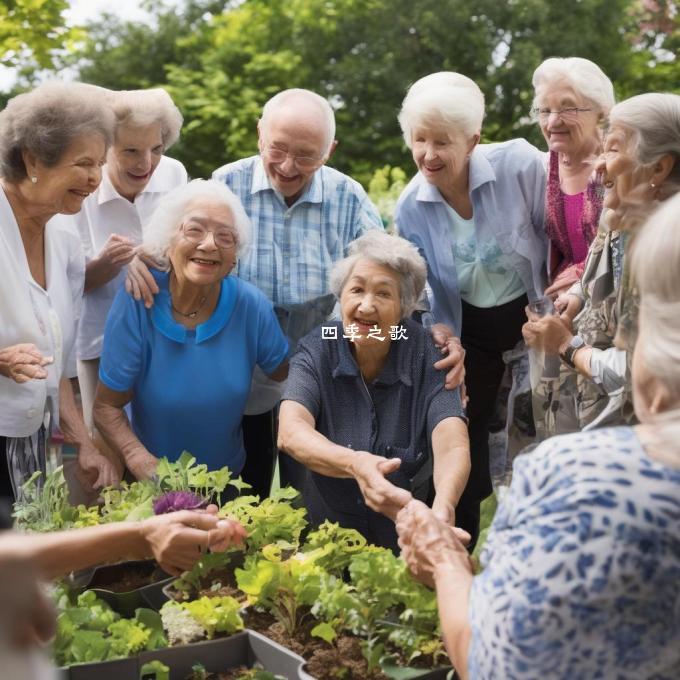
(568,306)
(179,539)
(454,360)
(141,464)
(139,282)
(548,334)
(227,533)
(563,282)
(23,362)
(94,469)
(427,543)
(117,252)
(380,494)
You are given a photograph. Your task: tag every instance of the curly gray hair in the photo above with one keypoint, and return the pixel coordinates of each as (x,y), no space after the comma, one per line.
(387,250)
(136,108)
(167,217)
(47,120)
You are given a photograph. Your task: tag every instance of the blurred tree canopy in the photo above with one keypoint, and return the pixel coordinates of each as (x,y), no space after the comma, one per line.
(222,60)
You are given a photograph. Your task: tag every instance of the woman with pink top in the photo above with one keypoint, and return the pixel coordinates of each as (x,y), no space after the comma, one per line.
(572,99)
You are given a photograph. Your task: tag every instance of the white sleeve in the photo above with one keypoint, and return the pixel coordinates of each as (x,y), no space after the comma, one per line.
(609,368)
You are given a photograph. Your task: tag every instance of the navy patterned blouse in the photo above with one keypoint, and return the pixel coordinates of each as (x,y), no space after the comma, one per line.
(582,566)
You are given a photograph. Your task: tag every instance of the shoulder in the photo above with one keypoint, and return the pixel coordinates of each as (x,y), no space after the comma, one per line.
(335,181)
(251,295)
(514,153)
(172,170)
(236,169)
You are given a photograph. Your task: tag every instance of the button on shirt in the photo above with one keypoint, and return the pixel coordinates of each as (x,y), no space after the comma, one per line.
(394,416)
(507,189)
(106,212)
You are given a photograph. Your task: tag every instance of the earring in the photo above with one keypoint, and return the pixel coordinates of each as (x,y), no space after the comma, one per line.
(652,186)
(34,179)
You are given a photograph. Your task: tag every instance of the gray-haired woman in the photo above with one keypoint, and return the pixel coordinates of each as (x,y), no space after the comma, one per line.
(364,405)
(185,365)
(135,179)
(53,144)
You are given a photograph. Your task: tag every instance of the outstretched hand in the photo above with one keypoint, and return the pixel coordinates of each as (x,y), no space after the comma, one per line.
(379,494)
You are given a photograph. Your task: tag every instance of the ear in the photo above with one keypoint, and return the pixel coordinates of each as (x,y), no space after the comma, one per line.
(474,140)
(260,140)
(662,168)
(334,146)
(30,162)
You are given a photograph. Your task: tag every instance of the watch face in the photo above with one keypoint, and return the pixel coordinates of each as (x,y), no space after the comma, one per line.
(577,341)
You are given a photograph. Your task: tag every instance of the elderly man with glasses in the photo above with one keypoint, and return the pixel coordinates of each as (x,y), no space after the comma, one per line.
(304,215)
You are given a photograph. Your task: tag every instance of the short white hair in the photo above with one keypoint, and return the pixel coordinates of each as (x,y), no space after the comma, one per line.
(444,98)
(584,76)
(167,217)
(387,250)
(306,99)
(138,108)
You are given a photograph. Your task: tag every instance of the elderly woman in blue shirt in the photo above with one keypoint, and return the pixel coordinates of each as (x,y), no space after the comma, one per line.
(364,408)
(475,211)
(186,364)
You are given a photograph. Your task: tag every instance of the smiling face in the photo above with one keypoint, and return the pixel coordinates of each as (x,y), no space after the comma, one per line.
(297,132)
(63,187)
(441,158)
(625,182)
(574,134)
(134,156)
(370,298)
(203,263)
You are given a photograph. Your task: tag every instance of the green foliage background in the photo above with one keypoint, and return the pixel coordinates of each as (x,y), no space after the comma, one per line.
(222,60)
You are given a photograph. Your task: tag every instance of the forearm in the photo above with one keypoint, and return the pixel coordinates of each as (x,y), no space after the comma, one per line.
(71,421)
(309,447)
(57,554)
(453,585)
(113,425)
(451,473)
(99,272)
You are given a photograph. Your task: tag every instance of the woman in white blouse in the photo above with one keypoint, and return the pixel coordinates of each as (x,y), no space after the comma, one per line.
(53,144)
(135,178)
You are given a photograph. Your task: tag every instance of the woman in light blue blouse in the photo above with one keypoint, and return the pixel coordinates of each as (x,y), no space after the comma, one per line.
(475,211)
(582,563)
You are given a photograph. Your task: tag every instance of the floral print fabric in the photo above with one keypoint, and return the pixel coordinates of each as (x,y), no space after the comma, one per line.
(582,566)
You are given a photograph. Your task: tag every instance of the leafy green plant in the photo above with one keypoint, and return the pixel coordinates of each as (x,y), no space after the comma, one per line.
(338,545)
(45,507)
(189,621)
(282,587)
(154,670)
(88,630)
(274,520)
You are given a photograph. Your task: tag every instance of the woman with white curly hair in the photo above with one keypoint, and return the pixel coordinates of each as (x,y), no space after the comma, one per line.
(186,364)
(136,178)
(364,409)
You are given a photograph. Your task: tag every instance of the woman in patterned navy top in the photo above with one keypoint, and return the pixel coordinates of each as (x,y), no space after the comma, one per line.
(582,562)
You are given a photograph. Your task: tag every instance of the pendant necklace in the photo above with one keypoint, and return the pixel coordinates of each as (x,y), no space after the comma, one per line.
(190,315)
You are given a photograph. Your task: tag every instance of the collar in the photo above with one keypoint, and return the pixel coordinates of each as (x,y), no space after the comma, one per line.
(159,183)
(480,172)
(260,182)
(395,368)
(161,312)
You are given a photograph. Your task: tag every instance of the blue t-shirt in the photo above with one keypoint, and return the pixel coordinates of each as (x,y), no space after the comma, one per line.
(190,387)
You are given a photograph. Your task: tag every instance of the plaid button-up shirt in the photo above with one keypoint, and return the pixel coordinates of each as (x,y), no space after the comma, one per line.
(294,248)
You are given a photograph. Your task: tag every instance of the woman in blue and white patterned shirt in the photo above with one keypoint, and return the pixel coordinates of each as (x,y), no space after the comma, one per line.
(582,562)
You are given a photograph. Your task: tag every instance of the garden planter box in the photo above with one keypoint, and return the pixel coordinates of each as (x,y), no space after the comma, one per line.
(125,603)
(403,673)
(119,669)
(242,649)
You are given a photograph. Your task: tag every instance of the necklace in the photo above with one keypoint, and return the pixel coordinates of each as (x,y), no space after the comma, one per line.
(190,315)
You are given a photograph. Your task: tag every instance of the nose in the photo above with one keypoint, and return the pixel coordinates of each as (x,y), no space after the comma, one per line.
(554,116)
(204,244)
(95,175)
(430,151)
(287,166)
(367,302)
(144,161)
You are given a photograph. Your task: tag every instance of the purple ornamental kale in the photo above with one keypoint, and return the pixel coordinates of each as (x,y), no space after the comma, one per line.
(172,501)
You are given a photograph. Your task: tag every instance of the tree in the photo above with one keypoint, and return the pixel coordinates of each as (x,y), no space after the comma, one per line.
(32,29)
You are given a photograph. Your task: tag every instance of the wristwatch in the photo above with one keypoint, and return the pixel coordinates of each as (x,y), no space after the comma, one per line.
(574,346)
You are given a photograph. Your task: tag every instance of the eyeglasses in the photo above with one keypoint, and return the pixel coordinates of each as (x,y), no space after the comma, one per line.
(196,233)
(302,162)
(568,114)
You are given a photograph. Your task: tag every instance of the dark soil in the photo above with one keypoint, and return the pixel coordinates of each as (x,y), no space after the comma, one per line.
(123,579)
